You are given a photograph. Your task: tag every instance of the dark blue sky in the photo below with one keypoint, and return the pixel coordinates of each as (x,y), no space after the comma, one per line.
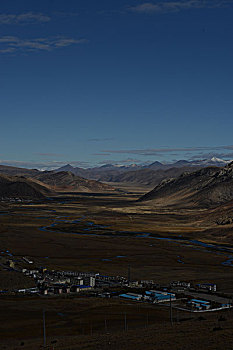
(89,82)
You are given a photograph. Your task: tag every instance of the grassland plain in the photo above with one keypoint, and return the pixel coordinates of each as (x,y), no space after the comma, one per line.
(106,233)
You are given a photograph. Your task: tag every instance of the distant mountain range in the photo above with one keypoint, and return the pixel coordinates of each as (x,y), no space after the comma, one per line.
(33,184)
(148,175)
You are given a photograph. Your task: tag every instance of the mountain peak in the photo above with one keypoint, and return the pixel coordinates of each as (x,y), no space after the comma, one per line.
(66,167)
(218,160)
(181,162)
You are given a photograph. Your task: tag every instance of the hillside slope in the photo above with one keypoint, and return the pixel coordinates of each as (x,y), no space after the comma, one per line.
(15,171)
(204,188)
(12,187)
(67,181)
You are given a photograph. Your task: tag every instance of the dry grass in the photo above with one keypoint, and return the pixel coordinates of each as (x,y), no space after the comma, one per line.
(21,317)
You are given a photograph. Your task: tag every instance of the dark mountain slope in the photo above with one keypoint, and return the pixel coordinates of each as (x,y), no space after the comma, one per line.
(204,188)
(19,187)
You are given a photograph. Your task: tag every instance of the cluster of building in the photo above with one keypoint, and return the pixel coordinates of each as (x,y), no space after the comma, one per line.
(209,303)
(12,199)
(152,296)
(199,304)
(60,282)
(182,294)
(209,287)
(28,261)
(182,285)
(50,282)
(190,301)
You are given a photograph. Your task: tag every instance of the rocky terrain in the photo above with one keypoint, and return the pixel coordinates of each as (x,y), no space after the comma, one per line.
(204,188)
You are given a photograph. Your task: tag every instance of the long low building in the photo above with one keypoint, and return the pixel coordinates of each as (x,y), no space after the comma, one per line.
(211,287)
(159,297)
(212,298)
(131,296)
(199,304)
(81,288)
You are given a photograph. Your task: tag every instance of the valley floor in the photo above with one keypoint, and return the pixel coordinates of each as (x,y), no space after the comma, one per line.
(106,234)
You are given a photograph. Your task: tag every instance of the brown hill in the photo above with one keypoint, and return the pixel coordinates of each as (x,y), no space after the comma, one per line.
(207,187)
(14,171)
(58,181)
(12,187)
(67,181)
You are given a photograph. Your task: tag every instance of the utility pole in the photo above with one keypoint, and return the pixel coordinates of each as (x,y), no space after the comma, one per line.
(125,322)
(129,274)
(171,310)
(105,324)
(44,328)
(177,316)
(147,320)
(91,329)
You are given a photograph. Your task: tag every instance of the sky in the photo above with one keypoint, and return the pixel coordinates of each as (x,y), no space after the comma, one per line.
(91,82)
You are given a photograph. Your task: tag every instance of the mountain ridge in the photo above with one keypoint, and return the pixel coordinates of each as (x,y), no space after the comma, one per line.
(206,187)
(67,181)
(115,173)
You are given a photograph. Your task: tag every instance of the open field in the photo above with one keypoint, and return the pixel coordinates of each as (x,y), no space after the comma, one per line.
(109,233)
(100,324)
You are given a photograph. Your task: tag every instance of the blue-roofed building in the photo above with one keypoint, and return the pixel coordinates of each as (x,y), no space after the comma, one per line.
(199,304)
(200,301)
(158,296)
(131,296)
(226,305)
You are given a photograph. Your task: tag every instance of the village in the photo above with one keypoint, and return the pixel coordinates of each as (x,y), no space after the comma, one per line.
(182,295)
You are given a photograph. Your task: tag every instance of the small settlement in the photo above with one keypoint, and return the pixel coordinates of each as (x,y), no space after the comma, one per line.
(183,295)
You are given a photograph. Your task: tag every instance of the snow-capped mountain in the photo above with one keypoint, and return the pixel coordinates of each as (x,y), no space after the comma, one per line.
(214,161)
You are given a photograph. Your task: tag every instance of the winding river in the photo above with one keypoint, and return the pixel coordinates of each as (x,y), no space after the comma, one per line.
(225,251)
(222,250)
